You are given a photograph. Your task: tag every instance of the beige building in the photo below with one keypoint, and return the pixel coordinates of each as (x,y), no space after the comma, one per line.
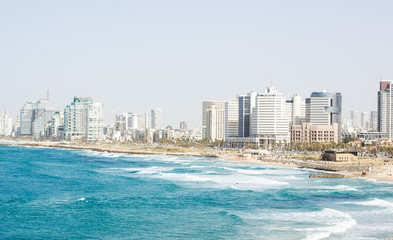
(340,156)
(307,132)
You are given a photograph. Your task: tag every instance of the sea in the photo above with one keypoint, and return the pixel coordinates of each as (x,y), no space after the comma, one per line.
(49,193)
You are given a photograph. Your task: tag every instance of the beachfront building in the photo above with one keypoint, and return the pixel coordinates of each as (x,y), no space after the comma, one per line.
(83,119)
(95,122)
(246,105)
(28,114)
(215,122)
(206,105)
(5,124)
(385,108)
(309,133)
(232,118)
(41,122)
(156,118)
(270,122)
(325,108)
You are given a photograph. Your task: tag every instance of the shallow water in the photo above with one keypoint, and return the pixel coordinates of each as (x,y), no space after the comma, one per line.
(68,194)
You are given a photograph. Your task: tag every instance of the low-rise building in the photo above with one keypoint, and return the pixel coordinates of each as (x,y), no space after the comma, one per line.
(340,156)
(309,133)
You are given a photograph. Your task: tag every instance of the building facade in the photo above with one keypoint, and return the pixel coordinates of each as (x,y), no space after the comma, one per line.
(156,118)
(232,118)
(309,133)
(385,107)
(84,119)
(215,122)
(270,122)
(326,109)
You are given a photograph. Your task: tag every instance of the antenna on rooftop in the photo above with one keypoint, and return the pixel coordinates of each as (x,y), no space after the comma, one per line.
(47,94)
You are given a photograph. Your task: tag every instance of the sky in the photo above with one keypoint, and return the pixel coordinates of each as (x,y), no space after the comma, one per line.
(133,56)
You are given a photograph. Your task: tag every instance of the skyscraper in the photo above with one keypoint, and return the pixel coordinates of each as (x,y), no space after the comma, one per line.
(354,118)
(374,120)
(205,107)
(84,119)
(385,106)
(269,117)
(326,109)
(5,124)
(365,119)
(215,122)
(30,111)
(232,118)
(246,105)
(156,118)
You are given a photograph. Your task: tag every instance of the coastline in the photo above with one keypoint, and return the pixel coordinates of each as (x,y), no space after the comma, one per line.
(371,171)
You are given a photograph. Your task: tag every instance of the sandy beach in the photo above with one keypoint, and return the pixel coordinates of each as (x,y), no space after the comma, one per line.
(369,169)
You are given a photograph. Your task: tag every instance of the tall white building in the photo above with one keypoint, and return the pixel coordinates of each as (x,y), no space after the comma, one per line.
(365,119)
(134,117)
(95,122)
(215,122)
(40,122)
(232,118)
(374,120)
(354,118)
(5,124)
(206,105)
(28,114)
(156,118)
(385,107)
(270,119)
(84,119)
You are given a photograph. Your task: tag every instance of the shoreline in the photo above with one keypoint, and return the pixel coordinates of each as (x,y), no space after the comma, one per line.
(378,172)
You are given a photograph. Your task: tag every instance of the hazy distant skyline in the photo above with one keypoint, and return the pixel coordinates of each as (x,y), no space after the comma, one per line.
(133,56)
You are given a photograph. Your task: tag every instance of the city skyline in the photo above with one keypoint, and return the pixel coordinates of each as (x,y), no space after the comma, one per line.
(134,56)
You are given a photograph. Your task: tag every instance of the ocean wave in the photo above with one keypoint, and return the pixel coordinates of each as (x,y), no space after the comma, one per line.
(375,202)
(332,188)
(339,222)
(90,153)
(148,170)
(327,221)
(233,181)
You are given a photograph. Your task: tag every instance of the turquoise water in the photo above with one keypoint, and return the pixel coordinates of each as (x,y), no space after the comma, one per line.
(75,194)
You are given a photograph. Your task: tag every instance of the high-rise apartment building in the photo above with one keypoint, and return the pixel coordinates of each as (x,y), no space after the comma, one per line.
(354,118)
(365,119)
(156,118)
(215,122)
(5,124)
(206,105)
(95,122)
(374,120)
(30,111)
(385,107)
(84,119)
(232,118)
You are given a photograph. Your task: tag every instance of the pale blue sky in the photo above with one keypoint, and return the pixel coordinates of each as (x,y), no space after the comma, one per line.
(137,55)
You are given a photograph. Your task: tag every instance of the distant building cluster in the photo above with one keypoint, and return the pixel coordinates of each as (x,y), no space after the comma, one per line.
(147,128)
(257,118)
(268,118)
